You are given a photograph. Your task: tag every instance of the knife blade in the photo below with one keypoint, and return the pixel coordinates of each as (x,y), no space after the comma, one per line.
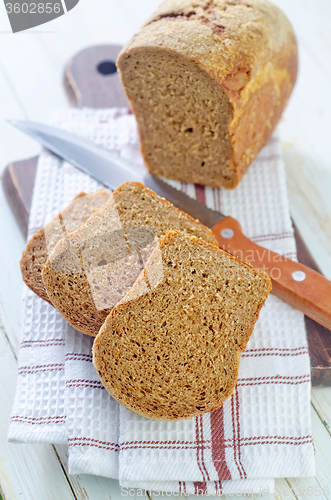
(294,283)
(109,168)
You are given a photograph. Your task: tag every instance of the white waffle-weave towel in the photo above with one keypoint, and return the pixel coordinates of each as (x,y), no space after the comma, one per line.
(263,431)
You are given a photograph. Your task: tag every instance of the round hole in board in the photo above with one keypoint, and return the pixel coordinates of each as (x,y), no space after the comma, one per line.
(299,276)
(107,68)
(227,233)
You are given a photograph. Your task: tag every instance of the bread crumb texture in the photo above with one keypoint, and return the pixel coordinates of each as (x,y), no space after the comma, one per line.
(44,241)
(208,81)
(94,267)
(173,352)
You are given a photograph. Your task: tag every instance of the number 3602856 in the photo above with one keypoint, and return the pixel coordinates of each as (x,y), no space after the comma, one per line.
(33,8)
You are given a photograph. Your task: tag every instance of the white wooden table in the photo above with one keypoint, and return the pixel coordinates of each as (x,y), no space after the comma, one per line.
(31,68)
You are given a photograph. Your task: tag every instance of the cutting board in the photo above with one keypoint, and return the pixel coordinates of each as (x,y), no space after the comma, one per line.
(91,80)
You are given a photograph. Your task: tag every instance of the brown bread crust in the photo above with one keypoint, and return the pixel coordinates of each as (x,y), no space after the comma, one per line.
(43,241)
(170,349)
(229,66)
(90,271)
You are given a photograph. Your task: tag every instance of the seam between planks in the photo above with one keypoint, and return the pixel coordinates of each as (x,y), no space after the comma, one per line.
(65,472)
(291,487)
(321,418)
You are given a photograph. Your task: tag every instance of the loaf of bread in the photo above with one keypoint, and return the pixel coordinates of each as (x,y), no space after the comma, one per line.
(208,81)
(43,241)
(172,351)
(92,269)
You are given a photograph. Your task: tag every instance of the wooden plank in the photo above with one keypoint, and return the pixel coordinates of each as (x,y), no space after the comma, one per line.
(320,485)
(18,181)
(11,279)
(35,61)
(321,401)
(30,472)
(90,487)
(14,145)
(319,338)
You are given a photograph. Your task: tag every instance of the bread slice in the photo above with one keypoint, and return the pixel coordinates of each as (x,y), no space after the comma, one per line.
(43,241)
(91,270)
(208,82)
(172,351)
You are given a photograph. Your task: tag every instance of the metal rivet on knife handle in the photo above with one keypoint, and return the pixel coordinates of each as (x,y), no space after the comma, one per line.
(227,233)
(299,275)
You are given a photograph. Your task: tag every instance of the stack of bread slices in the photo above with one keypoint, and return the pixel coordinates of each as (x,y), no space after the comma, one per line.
(171,313)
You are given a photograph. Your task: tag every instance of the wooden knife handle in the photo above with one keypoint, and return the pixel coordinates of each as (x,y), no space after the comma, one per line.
(294,283)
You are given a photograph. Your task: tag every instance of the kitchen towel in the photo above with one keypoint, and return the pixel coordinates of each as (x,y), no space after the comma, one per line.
(263,431)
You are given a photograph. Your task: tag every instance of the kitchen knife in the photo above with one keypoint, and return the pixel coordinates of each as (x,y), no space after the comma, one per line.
(294,283)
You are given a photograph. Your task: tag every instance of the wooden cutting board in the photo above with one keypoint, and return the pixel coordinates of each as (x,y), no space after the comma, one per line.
(91,80)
